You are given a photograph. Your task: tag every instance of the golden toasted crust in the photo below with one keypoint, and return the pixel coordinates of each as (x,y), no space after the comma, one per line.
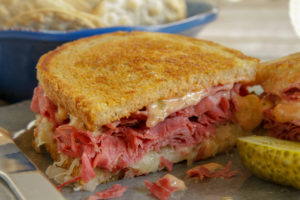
(277,75)
(104,78)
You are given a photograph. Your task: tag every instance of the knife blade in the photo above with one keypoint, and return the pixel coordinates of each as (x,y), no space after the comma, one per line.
(24,179)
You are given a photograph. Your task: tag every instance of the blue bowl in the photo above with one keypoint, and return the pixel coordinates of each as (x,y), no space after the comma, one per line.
(20,50)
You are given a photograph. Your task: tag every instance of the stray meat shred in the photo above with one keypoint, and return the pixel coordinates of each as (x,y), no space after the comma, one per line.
(114,191)
(165,186)
(211,170)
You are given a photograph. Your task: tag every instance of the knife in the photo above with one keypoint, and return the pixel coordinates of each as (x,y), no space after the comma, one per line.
(24,179)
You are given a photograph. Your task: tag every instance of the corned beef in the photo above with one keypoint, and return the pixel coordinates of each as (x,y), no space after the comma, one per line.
(287,131)
(114,191)
(166,163)
(211,170)
(165,186)
(291,93)
(42,104)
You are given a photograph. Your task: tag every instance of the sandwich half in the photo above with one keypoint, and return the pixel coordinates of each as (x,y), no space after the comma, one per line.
(280,80)
(127,104)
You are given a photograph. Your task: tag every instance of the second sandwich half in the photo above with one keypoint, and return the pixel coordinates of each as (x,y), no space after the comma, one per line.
(126,104)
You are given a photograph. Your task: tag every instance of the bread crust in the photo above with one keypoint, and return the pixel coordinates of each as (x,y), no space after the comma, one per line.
(277,75)
(104,78)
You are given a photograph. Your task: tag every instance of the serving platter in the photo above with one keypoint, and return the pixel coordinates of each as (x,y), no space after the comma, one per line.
(243,186)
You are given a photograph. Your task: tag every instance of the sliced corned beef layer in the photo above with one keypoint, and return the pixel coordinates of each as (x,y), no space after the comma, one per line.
(41,104)
(291,93)
(287,131)
(124,142)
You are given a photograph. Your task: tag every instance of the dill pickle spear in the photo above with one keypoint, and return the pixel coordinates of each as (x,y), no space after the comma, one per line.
(271,159)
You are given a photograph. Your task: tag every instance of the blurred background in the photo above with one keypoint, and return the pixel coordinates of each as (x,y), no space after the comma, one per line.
(259,28)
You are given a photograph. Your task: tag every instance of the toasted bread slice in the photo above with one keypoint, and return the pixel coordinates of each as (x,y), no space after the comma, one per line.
(104,78)
(279,74)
